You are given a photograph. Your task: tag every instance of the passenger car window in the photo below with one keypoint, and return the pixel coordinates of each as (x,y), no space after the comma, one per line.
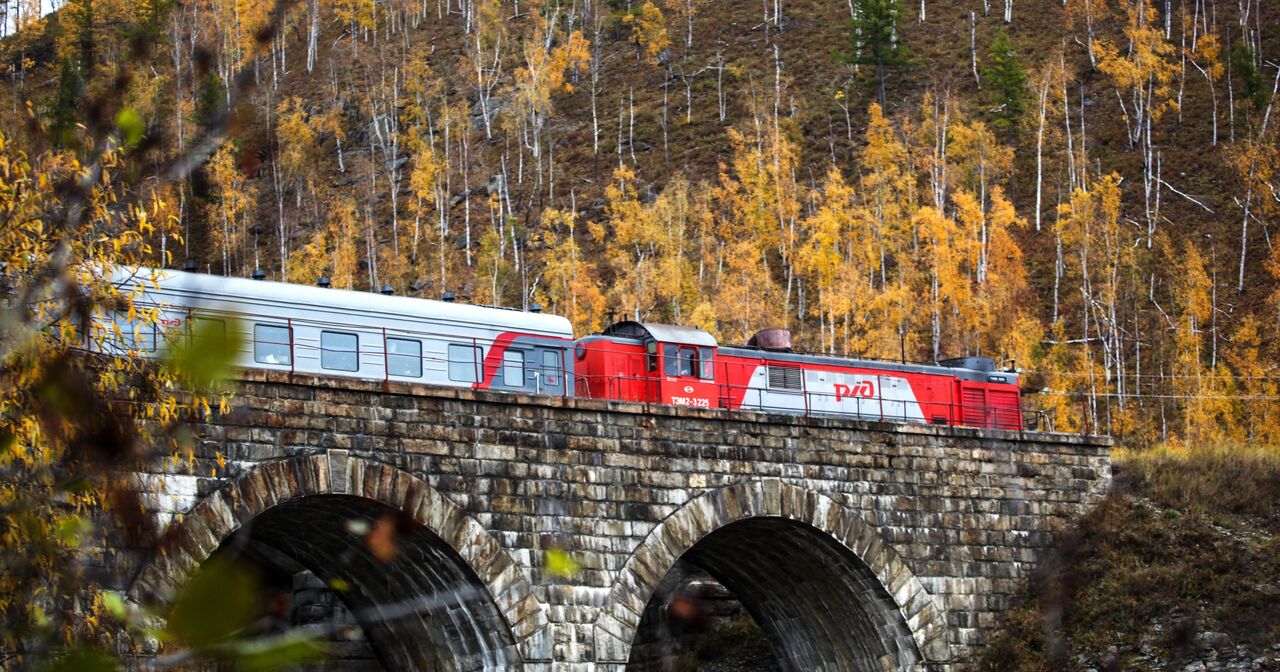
(551,366)
(513,368)
(462,363)
(339,351)
(137,335)
(271,344)
(207,328)
(404,357)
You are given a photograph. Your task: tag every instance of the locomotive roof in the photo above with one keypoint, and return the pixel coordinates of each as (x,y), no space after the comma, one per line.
(666,333)
(216,289)
(905,367)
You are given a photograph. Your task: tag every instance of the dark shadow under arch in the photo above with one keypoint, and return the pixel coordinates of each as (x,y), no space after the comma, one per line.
(423,609)
(818,578)
(819,606)
(294,512)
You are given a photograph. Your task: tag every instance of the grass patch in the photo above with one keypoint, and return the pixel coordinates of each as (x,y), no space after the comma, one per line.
(1219,480)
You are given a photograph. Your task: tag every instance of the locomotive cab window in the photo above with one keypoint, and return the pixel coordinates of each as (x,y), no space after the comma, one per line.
(689,361)
(705,361)
(462,363)
(339,351)
(404,357)
(680,360)
(271,344)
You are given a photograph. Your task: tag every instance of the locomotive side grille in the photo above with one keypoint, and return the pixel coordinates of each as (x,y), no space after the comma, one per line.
(1008,413)
(973,401)
(784,378)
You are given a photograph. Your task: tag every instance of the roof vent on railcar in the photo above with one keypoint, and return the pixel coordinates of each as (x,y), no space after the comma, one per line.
(191,266)
(448,297)
(771,339)
(323,281)
(387,290)
(984,364)
(259,274)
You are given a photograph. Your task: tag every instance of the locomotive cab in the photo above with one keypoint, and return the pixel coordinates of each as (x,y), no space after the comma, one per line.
(648,362)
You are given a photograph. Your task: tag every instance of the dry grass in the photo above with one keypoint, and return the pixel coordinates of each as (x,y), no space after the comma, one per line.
(1184,545)
(1228,480)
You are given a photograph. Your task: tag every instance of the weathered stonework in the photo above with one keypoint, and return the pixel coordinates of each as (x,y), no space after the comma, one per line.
(857,545)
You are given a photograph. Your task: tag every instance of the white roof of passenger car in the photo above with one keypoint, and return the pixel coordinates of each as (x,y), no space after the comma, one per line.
(212,290)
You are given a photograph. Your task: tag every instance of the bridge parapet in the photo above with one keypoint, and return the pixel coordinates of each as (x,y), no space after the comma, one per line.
(855,543)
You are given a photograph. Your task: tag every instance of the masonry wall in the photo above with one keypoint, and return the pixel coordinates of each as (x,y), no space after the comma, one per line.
(963,515)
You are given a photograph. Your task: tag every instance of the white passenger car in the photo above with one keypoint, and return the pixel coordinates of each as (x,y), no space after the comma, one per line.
(302,328)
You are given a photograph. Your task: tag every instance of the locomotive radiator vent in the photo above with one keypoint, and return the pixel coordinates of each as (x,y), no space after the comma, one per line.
(771,339)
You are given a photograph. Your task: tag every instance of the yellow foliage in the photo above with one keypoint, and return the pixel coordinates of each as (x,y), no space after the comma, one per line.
(1145,65)
(571,288)
(55,405)
(648,29)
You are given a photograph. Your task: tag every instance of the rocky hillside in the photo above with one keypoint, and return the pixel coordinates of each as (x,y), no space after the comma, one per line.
(1179,569)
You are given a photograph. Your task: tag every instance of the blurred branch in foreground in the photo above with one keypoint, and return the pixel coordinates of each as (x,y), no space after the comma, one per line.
(89,196)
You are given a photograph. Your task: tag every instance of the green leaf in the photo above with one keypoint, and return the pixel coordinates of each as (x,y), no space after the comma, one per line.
(203,359)
(72,530)
(114,603)
(560,563)
(285,650)
(220,600)
(339,585)
(82,660)
(131,126)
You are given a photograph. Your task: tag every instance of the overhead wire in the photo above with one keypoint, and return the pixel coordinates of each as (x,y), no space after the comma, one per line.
(1117,395)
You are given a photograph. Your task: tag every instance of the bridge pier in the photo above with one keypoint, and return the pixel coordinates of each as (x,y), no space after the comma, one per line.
(854,545)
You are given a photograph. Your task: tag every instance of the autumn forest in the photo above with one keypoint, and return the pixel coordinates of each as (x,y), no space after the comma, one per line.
(1083,187)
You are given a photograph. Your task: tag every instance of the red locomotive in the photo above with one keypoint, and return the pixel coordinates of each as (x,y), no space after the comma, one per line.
(666,364)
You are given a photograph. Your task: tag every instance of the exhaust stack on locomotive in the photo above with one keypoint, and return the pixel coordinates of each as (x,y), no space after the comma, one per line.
(778,340)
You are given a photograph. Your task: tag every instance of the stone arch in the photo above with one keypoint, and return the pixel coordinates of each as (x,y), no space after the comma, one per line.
(347,483)
(908,622)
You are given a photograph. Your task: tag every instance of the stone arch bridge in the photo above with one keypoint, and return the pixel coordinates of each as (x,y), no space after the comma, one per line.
(854,545)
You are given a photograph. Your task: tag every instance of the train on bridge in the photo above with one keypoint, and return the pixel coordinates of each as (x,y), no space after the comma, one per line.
(318,330)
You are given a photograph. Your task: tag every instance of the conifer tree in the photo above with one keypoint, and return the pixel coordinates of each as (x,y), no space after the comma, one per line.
(875,40)
(63,113)
(1243,62)
(1008,81)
